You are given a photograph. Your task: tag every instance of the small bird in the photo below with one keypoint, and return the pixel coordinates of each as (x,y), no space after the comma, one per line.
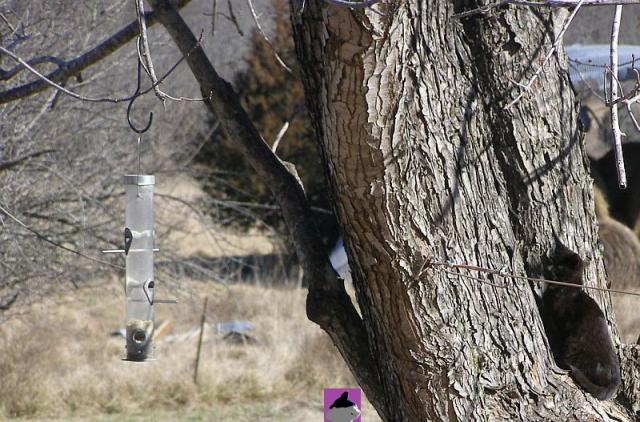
(128,238)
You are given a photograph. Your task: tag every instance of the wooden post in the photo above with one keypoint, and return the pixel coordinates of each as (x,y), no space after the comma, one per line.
(195,371)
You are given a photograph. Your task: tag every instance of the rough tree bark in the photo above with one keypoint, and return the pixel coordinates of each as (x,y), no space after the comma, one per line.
(425,163)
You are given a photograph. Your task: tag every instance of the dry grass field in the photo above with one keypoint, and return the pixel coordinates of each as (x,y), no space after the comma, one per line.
(59,362)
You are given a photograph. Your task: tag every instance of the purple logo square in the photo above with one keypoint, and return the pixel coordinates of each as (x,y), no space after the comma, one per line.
(342,404)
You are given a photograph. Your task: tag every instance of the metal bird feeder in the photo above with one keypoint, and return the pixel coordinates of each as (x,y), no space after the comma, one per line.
(139,249)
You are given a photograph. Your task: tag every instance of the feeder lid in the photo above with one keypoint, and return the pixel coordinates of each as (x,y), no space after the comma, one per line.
(139,179)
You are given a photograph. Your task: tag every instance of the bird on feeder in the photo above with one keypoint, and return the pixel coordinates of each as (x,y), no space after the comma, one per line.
(128,238)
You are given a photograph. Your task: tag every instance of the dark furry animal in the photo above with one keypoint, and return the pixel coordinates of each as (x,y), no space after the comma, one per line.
(577,330)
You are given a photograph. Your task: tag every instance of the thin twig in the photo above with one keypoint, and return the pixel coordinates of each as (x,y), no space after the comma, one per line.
(593,91)
(285,127)
(473,278)
(202,320)
(13,28)
(205,139)
(5,75)
(616,133)
(74,66)
(554,47)
(519,277)
(353,4)
(99,99)
(233,19)
(58,86)
(590,64)
(6,165)
(56,244)
(145,54)
(636,90)
(259,27)
(543,3)
(479,10)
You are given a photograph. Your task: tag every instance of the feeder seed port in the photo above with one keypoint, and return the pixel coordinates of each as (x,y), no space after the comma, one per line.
(139,336)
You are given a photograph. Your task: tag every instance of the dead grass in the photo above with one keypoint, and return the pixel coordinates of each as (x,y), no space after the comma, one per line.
(59,361)
(195,234)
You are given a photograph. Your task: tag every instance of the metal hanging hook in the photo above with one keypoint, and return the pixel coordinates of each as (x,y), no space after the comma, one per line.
(133,98)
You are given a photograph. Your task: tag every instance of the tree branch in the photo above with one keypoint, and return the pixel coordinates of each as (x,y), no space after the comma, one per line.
(616,133)
(144,52)
(327,303)
(298,111)
(74,66)
(353,4)
(266,38)
(5,75)
(6,165)
(541,3)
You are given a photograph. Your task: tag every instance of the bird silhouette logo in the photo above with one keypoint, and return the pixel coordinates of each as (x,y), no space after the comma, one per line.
(342,408)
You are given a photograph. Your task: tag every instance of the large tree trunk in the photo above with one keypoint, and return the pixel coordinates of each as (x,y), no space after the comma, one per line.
(426,164)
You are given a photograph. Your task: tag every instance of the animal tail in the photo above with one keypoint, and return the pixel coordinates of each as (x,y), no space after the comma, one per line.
(601,392)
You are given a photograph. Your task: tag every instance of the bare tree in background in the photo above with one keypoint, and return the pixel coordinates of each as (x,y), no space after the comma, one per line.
(427,165)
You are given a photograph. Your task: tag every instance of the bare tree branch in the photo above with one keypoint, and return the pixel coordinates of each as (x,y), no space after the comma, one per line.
(542,3)
(54,243)
(214,14)
(6,165)
(298,110)
(145,53)
(5,75)
(231,17)
(60,86)
(273,49)
(74,66)
(353,4)
(6,21)
(616,134)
